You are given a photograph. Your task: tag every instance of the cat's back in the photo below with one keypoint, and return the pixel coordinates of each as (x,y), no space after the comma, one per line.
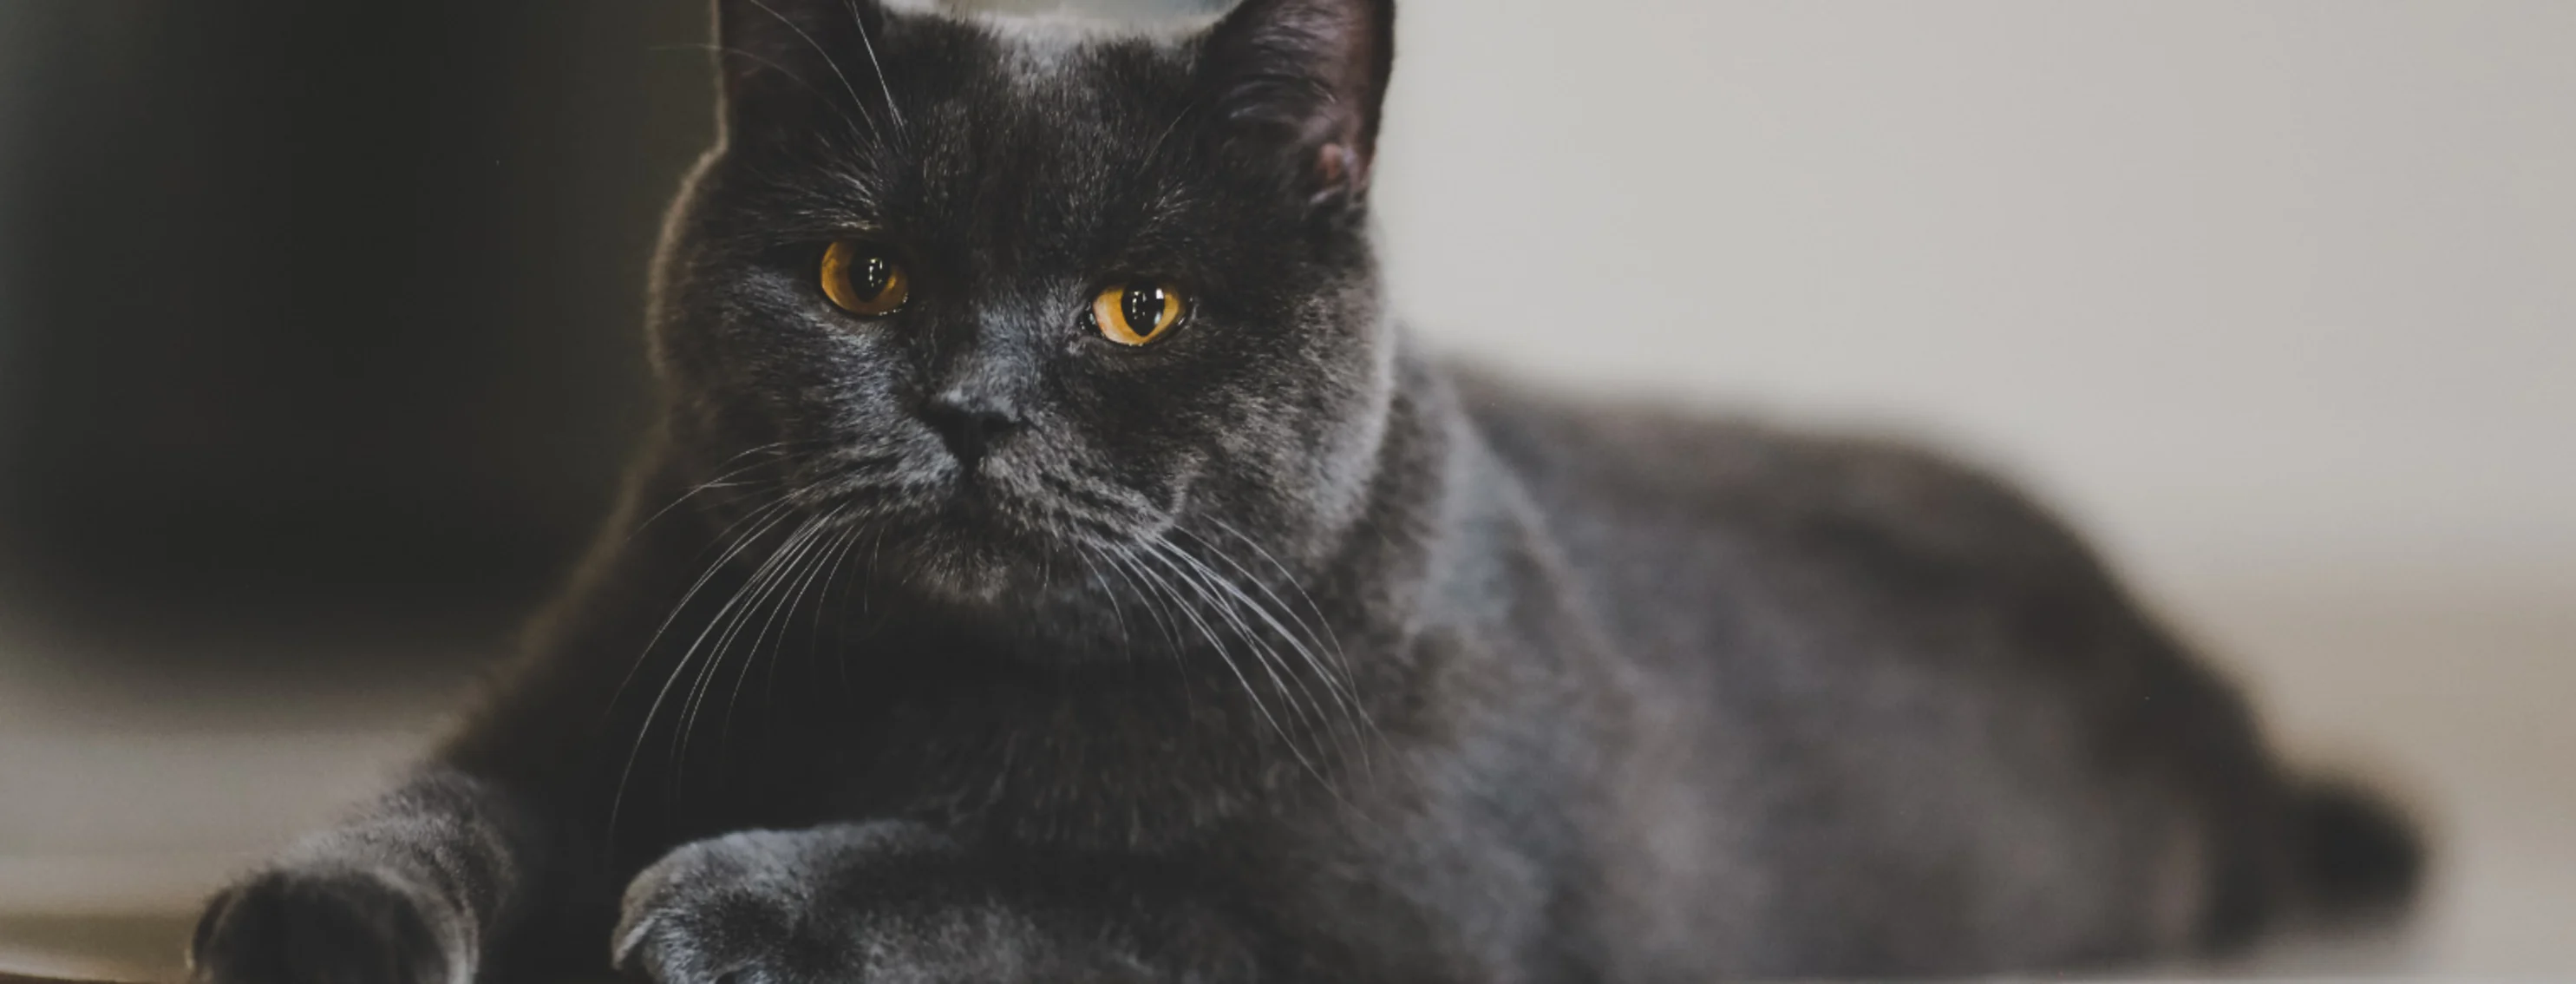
(1676,521)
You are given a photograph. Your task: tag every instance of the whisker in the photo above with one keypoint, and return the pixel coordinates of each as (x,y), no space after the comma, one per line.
(1234,598)
(782,70)
(773,510)
(776,513)
(876,549)
(716,482)
(761,586)
(1091,571)
(1152,548)
(1125,563)
(1290,577)
(813,551)
(882,85)
(1344,687)
(843,547)
(1272,664)
(1186,109)
(736,545)
(728,617)
(830,62)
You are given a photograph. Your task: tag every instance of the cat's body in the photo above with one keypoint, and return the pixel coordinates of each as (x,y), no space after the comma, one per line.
(2047,779)
(1269,650)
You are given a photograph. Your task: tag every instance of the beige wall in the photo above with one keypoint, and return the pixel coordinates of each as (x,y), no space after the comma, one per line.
(2243,285)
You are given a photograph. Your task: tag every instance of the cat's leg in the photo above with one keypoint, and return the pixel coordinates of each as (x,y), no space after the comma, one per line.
(491,853)
(411,891)
(893,901)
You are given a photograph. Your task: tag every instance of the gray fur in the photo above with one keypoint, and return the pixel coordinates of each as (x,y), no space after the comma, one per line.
(964,645)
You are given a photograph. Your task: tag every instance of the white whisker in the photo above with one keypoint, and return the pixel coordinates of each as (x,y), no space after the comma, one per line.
(828,60)
(1153,549)
(775,513)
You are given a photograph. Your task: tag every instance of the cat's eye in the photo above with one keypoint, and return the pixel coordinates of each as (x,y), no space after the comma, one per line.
(1137,313)
(863,280)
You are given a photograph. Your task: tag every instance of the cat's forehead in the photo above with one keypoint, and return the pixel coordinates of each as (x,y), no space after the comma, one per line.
(1061,112)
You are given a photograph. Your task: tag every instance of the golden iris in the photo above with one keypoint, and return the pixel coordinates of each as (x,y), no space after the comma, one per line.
(1137,313)
(863,280)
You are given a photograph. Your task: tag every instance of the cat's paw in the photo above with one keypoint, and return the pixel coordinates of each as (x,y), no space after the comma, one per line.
(847,904)
(721,911)
(328,926)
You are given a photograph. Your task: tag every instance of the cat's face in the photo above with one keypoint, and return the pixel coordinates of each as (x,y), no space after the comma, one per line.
(1011,297)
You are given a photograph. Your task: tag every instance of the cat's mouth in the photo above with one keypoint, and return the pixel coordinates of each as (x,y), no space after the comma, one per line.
(973,552)
(984,537)
(1013,525)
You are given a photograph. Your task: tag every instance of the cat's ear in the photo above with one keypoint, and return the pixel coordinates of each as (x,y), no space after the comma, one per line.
(1297,85)
(777,58)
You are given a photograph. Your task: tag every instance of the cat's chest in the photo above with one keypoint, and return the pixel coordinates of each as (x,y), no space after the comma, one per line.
(1091,755)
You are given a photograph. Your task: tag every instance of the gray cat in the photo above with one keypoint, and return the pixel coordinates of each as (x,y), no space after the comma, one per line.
(1054,564)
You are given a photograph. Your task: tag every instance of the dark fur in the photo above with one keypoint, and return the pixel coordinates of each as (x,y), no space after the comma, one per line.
(1429,679)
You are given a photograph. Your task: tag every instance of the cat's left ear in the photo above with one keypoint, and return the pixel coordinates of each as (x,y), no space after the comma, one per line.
(1298,86)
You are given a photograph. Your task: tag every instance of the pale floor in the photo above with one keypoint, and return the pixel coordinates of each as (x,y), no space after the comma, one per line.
(119,806)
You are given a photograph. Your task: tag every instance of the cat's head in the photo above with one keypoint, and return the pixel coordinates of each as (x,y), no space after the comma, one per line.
(1011,296)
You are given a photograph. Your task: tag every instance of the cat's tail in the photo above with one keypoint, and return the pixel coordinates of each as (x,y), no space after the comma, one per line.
(2355,855)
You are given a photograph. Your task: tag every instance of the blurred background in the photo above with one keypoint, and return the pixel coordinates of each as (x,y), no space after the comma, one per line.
(319,354)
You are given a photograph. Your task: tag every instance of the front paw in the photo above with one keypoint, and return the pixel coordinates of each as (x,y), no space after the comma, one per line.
(724,910)
(847,904)
(328,926)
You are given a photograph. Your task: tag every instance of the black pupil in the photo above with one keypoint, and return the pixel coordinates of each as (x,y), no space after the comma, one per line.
(1144,309)
(869,277)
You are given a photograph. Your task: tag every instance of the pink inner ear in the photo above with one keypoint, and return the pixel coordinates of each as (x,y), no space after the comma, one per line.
(1328,163)
(1338,167)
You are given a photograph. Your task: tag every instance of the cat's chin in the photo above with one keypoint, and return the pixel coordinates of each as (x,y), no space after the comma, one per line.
(978,564)
(972,576)
(982,551)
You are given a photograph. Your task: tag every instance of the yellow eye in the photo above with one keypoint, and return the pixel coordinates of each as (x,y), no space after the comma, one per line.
(863,281)
(1134,314)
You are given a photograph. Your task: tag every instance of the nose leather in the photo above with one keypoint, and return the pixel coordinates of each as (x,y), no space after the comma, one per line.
(971,420)
(983,379)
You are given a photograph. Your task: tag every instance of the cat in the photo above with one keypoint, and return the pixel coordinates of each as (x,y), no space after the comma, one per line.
(1053,562)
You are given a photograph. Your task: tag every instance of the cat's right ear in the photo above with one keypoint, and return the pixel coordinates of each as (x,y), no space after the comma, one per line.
(789,63)
(1297,85)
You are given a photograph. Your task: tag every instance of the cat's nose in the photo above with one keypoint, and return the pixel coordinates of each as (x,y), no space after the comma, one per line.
(970,422)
